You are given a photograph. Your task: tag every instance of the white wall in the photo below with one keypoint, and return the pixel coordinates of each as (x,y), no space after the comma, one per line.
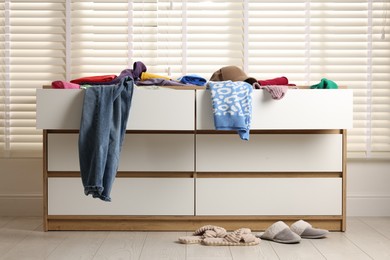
(21,185)
(368,187)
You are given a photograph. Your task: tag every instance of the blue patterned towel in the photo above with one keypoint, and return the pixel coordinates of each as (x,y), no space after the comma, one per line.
(232,106)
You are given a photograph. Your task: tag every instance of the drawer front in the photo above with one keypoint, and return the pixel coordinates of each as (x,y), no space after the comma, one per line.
(59,108)
(269,153)
(269,196)
(130,196)
(299,109)
(140,152)
(158,152)
(160,109)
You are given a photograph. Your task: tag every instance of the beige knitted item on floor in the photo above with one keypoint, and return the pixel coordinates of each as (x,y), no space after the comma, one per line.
(240,237)
(208,231)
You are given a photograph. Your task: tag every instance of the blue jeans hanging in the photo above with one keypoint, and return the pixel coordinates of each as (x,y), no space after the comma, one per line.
(102,129)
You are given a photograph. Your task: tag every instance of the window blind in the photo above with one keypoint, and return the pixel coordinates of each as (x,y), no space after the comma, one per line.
(108,36)
(170,38)
(99,37)
(345,41)
(34,56)
(145,34)
(378,98)
(214,35)
(277,40)
(339,41)
(4,28)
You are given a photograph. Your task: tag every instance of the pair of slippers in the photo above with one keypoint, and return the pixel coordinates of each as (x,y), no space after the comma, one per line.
(217,236)
(280,232)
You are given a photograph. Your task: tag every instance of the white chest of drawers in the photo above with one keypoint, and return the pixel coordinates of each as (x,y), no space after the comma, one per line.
(177,173)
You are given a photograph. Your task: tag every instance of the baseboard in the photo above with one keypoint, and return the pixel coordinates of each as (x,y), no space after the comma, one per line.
(368,205)
(21,205)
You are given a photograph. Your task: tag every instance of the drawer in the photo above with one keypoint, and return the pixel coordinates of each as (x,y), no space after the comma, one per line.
(268,196)
(151,109)
(140,152)
(59,108)
(130,196)
(162,109)
(269,153)
(299,109)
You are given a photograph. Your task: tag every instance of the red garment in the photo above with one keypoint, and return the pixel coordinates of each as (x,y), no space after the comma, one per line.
(97,79)
(275,81)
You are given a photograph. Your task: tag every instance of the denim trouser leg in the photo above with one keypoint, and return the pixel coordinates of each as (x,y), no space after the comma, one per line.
(102,129)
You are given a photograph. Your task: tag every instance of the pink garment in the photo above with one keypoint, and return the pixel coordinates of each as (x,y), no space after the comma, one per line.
(64,84)
(277,92)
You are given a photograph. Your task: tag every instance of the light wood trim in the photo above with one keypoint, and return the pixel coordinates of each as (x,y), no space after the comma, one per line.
(74,131)
(160,131)
(344,182)
(183,223)
(269,174)
(155,174)
(289,131)
(219,132)
(45,176)
(63,174)
(72,174)
(299,131)
(62,131)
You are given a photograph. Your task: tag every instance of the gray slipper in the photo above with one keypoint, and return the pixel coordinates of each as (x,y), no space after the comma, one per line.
(305,230)
(281,233)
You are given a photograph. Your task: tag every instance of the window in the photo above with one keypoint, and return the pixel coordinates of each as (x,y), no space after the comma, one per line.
(345,41)
(33,54)
(98,37)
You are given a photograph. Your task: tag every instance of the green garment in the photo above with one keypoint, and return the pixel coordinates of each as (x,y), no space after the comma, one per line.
(325,84)
(85,86)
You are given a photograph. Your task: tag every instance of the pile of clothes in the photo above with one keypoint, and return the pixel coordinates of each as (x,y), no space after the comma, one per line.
(277,87)
(139,75)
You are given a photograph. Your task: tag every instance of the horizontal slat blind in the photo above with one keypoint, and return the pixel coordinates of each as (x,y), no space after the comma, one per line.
(145,34)
(99,32)
(169,38)
(379,97)
(345,41)
(36,57)
(4,28)
(339,51)
(214,35)
(277,40)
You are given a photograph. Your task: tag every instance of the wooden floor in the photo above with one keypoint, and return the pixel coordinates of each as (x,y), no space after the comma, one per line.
(23,238)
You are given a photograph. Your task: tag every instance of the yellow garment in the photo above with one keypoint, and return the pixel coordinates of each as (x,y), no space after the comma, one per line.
(147,75)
